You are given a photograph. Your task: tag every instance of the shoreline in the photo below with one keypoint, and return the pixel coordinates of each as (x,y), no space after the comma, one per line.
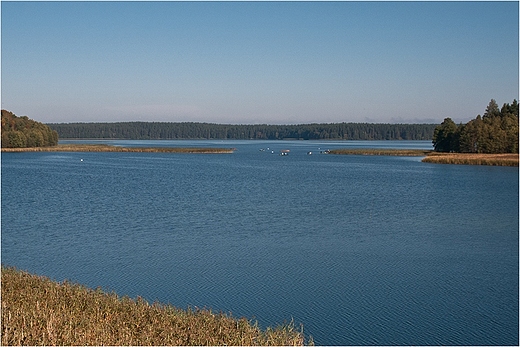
(499,159)
(380,151)
(39,311)
(111,148)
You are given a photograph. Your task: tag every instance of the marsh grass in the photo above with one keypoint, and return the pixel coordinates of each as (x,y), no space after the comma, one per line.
(507,159)
(376,151)
(109,148)
(38,311)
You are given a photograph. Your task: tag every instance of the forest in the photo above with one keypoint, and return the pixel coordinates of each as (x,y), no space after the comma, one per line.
(190,130)
(494,132)
(19,132)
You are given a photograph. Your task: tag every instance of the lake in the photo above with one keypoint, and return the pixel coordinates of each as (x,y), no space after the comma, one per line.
(361,250)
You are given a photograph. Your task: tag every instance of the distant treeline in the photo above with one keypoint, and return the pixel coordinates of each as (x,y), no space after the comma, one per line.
(168,131)
(20,132)
(494,132)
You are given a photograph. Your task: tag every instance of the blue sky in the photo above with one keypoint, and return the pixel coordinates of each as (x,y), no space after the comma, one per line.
(258,62)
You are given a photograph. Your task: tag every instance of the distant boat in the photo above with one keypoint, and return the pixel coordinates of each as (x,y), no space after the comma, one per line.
(284,152)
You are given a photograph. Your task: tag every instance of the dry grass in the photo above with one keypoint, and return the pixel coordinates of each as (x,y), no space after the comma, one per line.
(376,151)
(109,148)
(38,311)
(506,159)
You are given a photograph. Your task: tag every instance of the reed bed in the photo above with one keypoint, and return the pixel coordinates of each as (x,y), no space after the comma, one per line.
(38,311)
(376,151)
(506,159)
(109,148)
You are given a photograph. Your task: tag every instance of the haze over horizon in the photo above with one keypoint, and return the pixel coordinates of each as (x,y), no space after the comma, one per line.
(258,62)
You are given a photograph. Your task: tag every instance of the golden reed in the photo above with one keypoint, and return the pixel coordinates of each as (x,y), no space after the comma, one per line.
(38,311)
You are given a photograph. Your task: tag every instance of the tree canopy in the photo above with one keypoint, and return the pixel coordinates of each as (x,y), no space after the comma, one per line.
(315,131)
(494,132)
(20,132)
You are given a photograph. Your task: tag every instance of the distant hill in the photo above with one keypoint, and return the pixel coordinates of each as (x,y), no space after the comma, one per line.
(315,131)
(20,132)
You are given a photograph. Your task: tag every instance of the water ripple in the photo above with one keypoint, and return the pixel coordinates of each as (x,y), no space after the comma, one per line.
(361,250)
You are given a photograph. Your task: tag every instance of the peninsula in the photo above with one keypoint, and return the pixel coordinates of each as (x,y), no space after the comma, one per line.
(110,148)
(494,159)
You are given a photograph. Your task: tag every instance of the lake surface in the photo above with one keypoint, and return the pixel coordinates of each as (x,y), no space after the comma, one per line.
(361,250)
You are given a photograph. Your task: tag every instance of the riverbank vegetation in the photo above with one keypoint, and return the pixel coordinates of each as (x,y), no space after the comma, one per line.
(109,148)
(378,151)
(38,311)
(315,131)
(504,159)
(19,132)
(494,132)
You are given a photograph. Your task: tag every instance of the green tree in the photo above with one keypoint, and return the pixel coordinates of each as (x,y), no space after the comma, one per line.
(470,136)
(25,132)
(495,132)
(17,139)
(35,138)
(445,136)
(492,110)
(5,139)
(510,124)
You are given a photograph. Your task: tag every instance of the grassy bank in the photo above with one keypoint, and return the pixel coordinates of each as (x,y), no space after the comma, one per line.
(507,159)
(376,151)
(109,148)
(38,311)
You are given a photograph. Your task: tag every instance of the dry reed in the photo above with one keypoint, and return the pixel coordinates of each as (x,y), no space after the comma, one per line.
(38,311)
(377,151)
(109,148)
(506,159)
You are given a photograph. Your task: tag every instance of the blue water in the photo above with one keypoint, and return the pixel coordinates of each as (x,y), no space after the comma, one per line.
(361,250)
